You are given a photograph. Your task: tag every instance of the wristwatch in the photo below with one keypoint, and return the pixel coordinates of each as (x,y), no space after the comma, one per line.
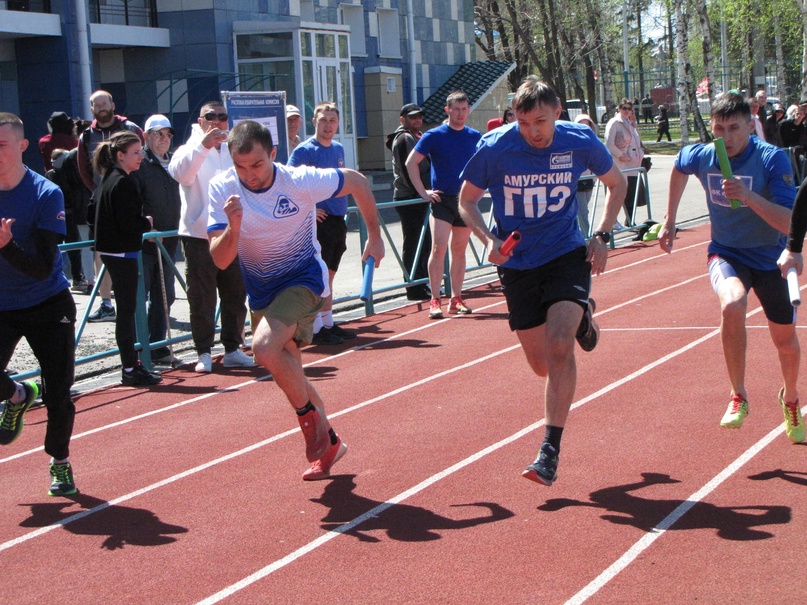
(603,235)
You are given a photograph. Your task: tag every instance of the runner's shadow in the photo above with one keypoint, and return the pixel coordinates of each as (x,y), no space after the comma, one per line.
(623,508)
(797,477)
(401,522)
(121,525)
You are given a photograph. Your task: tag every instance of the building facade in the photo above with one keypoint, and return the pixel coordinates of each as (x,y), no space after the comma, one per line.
(170,56)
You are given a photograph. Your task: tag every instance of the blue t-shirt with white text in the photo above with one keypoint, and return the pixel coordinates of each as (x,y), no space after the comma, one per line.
(534,190)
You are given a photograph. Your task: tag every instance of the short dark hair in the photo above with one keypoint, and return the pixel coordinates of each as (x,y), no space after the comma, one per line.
(245,135)
(325,106)
(210,105)
(14,121)
(730,104)
(457,96)
(532,93)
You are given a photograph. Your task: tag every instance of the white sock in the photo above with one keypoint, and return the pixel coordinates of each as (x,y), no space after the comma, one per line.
(327,318)
(317,323)
(20,394)
(53,461)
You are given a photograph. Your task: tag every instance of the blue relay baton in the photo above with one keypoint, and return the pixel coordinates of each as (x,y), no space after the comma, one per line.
(367,280)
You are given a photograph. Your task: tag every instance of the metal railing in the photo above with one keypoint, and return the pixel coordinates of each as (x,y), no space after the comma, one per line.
(478,264)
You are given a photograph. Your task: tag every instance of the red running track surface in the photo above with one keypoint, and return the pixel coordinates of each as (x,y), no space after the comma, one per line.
(190,491)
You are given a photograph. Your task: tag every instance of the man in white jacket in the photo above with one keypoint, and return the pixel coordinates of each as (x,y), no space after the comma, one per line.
(193,165)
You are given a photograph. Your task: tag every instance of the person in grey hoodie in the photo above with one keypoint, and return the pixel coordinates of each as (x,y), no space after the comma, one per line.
(193,165)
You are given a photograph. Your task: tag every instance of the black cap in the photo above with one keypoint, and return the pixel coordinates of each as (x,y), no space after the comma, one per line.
(410,109)
(59,121)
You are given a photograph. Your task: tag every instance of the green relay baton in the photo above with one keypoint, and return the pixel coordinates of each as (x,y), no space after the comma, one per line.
(725,166)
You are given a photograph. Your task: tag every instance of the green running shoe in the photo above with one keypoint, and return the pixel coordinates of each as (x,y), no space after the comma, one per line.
(11,420)
(735,414)
(62,482)
(794,423)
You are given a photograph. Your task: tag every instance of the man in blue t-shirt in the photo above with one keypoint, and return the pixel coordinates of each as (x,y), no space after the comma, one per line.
(449,147)
(531,169)
(750,215)
(322,151)
(35,302)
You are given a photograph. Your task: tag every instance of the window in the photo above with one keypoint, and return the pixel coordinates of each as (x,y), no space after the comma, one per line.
(353,15)
(389,33)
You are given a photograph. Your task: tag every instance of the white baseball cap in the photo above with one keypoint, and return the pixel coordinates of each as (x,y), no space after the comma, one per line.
(291,110)
(158,122)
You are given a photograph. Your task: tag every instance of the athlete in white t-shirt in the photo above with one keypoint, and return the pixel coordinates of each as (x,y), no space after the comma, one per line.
(265,213)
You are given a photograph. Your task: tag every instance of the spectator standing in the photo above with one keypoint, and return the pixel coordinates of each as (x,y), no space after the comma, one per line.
(623,141)
(322,151)
(60,135)
(746,244)
(793,129)
(508,117)
(105,123)
(161,201)
(119,228)
(193,165)
(759,128)
(585,187)
(773,124)
(65,175)
(35,302)
(547,278)
(294,121)
(413,216)
(663,124)
(449,147)
(647,109)
(263,214)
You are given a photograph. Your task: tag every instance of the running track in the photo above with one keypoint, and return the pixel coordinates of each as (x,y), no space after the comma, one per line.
(191,491)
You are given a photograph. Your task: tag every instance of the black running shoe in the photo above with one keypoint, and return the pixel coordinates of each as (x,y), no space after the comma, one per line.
(545,468)
(139,376)
(326,337)
(588,333)
(342,332)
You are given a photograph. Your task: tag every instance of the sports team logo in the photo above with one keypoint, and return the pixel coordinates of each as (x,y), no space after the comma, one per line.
(715,182)
(285,208)
(60,216)
(560,161)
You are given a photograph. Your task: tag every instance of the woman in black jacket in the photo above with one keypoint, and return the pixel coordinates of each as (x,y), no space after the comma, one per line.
(119,229)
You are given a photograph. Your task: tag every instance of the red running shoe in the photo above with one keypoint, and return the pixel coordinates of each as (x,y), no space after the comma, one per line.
(321,469)
(317,440)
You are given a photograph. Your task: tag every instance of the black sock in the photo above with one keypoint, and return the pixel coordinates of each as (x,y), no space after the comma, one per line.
(553,435)
(333,436)
(308,407)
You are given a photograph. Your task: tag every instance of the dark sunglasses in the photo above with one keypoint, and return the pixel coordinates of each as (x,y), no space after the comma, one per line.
(212,115)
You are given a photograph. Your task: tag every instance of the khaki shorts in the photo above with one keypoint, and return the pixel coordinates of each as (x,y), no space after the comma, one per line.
(298,306)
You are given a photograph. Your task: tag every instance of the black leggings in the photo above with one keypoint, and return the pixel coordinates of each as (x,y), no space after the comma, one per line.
(123,272)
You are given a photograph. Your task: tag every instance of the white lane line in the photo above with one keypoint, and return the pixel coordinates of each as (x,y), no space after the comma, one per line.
(38,532)
(236,387)
(654,534)
(331,534)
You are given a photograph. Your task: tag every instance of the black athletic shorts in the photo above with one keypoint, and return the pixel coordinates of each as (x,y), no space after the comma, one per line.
(769,286)
(530,292)
(448,210)
(332,237)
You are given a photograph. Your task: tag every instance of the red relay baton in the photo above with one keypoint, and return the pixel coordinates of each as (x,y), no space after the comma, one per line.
(510,243)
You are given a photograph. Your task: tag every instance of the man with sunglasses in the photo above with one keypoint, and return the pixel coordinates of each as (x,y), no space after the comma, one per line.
(160,195)
(194,164)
